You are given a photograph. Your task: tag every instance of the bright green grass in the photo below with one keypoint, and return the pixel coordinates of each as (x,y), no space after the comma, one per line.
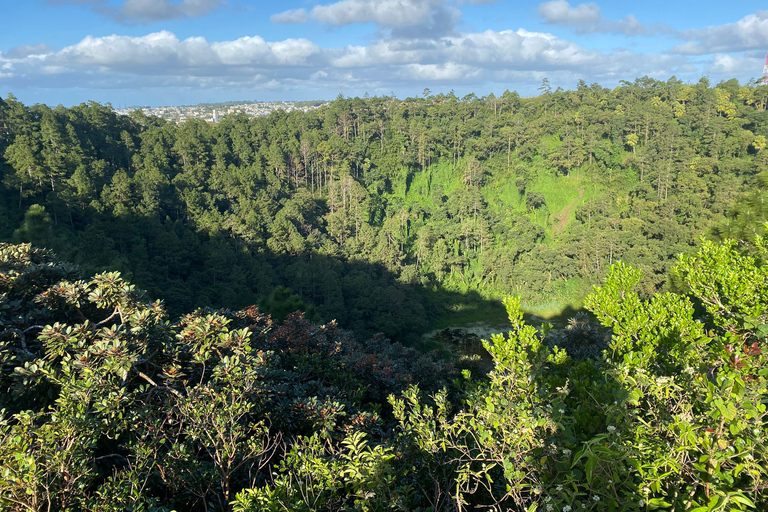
(421,185)
(566,299)
(501,194)
(471,308)
(559,191)
(470,312)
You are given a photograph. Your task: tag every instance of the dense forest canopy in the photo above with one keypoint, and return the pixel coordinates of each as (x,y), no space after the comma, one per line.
(386,214)
(379,212)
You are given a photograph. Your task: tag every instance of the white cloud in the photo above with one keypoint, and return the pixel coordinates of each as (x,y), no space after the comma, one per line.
(164,49)
(490,49)
(731,65)
(750,32)
(27,50)
(560,12)
(161,59)
(440,72)
(147,11)
(587,18)
(291,16)
(387,13)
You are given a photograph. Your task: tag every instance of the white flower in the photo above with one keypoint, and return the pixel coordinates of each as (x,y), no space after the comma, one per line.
(566,452)
(641,503)
(561,411)
(611,428)
(595,498)
(567,508)
(550,508)
(559,488)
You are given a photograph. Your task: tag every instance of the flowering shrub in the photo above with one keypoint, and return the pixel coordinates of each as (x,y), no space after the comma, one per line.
(109,406)
(671,416)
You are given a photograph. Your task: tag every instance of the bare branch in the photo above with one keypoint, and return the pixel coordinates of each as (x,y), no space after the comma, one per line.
(146,378)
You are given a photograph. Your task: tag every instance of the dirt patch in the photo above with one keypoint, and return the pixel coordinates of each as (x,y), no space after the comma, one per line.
(561,219)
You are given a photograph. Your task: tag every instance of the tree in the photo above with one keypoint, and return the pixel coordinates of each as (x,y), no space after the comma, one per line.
(567,426)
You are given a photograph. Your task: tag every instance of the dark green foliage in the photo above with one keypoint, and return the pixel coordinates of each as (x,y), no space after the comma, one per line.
(536,196)
(109,406)
(384,215)
(671,416)
(581,338)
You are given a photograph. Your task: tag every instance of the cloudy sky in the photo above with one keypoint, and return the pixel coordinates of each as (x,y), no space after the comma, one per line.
(167,52)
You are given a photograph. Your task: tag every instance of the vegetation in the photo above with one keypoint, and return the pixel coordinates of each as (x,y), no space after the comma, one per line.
(108,406)
(386,214)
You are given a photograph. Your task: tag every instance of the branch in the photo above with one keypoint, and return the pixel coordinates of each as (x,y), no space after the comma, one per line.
(110,317)
(22,339)
(112,456)
(146,378)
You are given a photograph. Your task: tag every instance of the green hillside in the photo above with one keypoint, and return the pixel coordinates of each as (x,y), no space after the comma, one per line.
(382,213)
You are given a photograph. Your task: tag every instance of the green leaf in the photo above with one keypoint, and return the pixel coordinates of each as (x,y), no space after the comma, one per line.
(657,503)
(590,468)
(740,498)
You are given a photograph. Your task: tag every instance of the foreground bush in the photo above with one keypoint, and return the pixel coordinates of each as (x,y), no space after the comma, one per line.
(109,406)
(671,417)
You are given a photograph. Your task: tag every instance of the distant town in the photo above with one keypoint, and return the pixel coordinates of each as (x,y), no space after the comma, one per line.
(212,112)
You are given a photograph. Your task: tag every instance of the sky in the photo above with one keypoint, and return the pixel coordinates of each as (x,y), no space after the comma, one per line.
(180,52)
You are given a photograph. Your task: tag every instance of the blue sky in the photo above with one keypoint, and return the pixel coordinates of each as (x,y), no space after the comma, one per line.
(170,52)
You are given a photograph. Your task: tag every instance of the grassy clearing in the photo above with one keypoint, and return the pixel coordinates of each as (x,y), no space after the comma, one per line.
(471,308)
(470,311)
(559,191)
(565,301)
(422,185)
(502,194)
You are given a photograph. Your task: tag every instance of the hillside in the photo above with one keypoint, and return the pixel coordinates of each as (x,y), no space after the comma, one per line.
(382,213)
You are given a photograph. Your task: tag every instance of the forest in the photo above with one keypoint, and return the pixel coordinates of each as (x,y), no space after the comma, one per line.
(281,270)
(386,214)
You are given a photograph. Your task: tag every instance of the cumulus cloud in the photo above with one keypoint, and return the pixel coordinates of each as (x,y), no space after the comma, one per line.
(161,59)
(147,11)
(441,72)
(28,50)
(498,57)
(750,32)
(163,50)
(292,16)
(560,12)
(730,65)
(404,18)
(519,49)
(587,18)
